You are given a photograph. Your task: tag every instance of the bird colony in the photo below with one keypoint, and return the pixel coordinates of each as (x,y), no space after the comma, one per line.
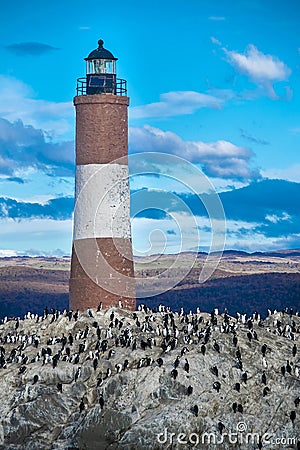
(149,379)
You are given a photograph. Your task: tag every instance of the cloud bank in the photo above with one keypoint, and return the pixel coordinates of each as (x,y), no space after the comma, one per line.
(18,102)
(30,48)
(262,215)
(23,147)
(257,65)
(261,68)
(55,209)
(175,104)
(218,159)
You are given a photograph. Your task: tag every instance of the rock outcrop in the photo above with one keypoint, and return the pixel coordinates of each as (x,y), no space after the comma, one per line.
(149,380)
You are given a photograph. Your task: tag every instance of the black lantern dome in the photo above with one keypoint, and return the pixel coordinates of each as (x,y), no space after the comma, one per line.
(101,53)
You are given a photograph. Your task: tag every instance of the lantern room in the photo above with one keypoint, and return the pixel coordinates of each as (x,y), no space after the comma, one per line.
(101,71)
(101,74)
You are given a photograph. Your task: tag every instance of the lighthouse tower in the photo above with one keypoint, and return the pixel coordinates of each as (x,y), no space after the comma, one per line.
(102,264)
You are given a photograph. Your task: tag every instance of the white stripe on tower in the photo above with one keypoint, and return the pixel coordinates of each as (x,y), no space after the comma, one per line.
(102,207)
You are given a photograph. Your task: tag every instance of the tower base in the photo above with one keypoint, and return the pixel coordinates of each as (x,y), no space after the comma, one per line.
(102,271)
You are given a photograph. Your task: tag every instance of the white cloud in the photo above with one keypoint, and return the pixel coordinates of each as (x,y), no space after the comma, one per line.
(149,236)
(275,218)
(58,253)
(257,65)
(7,253)
(219,159)
(34,252)
(240,235)
(17,101)
(291,173)
(261,68)
(176,103)
(217,18)
(187,179)
(254,242)
(215,40)
(180,233)
(196,233)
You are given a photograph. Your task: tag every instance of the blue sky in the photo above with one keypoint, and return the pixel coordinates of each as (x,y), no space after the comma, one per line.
(213,82)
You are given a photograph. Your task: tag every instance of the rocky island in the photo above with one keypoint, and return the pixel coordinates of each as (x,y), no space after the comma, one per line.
(150,379)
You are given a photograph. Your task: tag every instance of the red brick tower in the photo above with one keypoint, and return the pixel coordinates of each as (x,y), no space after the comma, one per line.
(102,265)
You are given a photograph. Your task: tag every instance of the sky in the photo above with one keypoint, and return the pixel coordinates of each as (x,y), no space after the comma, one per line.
(214,91)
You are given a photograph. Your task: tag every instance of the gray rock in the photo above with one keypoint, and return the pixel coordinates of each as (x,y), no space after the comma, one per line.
(145,407)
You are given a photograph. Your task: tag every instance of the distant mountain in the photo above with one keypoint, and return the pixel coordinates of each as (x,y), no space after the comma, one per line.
(279,253)
(234,253)
(274,253)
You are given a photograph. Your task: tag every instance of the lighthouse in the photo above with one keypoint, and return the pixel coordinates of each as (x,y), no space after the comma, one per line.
(102,270)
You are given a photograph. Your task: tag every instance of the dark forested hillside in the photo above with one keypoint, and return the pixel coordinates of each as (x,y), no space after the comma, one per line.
(238,285)
(24,289)
(248,293)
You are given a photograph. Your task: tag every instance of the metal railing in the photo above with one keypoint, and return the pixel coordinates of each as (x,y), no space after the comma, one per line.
(119,87)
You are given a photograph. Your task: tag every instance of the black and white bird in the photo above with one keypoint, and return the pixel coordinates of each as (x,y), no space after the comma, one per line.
(176,362)
(108,373)
(174,373)
(244,377)
(81,406)
(160,362)
(101,401)
(186,366)
(294,350)
(195,410)
(266,391)
(118,367)
(189,390)
(100,380)
(217,386)
(95,363)
(237,387)
(221,427)
(293,416)
(77,373)
(125,364)
(216,346)
(215,370)
(22,370)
